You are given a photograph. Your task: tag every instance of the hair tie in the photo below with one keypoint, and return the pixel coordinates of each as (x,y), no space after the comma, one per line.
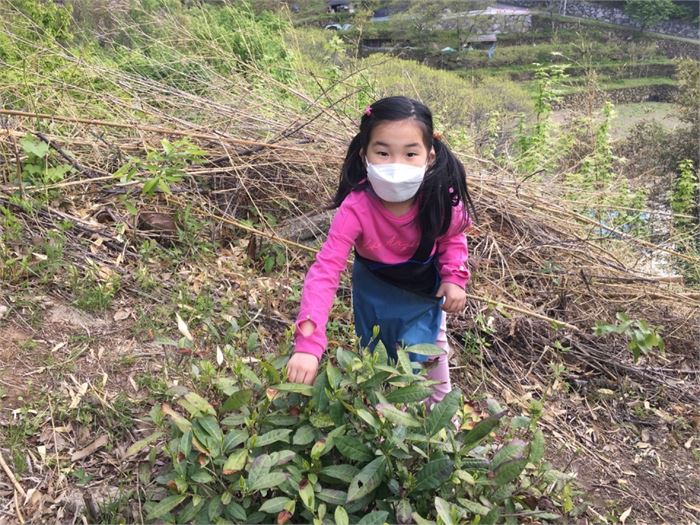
(437,135)
(368,111)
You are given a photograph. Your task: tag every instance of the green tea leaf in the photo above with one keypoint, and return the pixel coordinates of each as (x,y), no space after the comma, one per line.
(321,420)
(268,481)
(297,388)
(352,448)
(235,462)
(343,473)
(332,496)
(306,493)
(196,405)
(512,450)
(234,438)
(341,516)
(409,394)
(237,400)
(334,376)
(274,505)
(186,443)
(261,466)
(215,508)
(304,435)
(492,517)
(138,446)
(282,457)
(319,397)
(376,380)
(474,507)
(433,474)
(405,362)
(273,436)
(482,429)
(536,447)
(165,505)
(508,471)
(441,413)
(368,418)
(397,417)
(211,427)
(344,357)
(188,513)
(227,385)
(420,520)
(180,422)
(377,517)
(202,476)
(368,479)
(444,511)
(236,511)
(403,512)
(426,349)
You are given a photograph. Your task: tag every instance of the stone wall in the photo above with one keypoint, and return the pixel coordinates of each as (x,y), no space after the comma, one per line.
(669,47)
(489,23)
(664,93)
(604,13)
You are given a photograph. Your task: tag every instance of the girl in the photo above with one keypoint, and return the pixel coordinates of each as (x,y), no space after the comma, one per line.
(402,204)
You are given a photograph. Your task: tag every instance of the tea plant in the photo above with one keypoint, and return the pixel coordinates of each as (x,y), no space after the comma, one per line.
(359,446)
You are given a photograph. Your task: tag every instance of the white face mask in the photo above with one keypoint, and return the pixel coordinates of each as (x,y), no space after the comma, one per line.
(395,182)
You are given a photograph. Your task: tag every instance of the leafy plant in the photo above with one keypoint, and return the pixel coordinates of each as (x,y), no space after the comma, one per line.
(642,337)
(359,446)
(684,196)
(161,168)
(650,12)
(37,168)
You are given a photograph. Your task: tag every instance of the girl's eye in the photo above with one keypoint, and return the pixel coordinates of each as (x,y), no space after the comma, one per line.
(412,154)
(382,153)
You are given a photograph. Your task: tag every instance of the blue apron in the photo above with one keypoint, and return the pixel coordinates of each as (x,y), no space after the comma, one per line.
(399,299)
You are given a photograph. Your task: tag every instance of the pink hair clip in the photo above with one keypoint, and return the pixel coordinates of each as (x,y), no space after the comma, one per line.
(368,111)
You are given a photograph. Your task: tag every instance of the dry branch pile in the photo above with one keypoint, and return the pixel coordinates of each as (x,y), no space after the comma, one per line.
(273,156)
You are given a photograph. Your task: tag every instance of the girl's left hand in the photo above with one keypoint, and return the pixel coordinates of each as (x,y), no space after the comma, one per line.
(455,297)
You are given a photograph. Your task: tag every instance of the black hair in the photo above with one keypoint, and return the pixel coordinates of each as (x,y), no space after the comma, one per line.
(445,182)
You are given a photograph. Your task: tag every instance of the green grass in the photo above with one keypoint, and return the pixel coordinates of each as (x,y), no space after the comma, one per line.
(629,115)
(622,83)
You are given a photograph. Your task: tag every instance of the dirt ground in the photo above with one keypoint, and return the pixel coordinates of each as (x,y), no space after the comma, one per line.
(76,389)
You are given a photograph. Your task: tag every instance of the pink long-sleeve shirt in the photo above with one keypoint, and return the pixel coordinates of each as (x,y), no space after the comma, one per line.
(362,221)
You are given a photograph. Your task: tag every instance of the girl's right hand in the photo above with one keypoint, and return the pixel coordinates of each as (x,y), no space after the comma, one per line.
(302,368)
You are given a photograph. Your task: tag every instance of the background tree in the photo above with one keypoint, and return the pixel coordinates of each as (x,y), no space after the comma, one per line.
(650,12)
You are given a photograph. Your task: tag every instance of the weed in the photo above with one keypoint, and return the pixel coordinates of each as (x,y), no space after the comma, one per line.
(93,292)
(161,168)
(15,436)
(641,336)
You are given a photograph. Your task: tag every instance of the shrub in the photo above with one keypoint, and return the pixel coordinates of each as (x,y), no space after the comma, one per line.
(358,447)
(455,102)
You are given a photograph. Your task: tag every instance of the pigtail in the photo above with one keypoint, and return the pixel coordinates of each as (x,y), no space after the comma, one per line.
(353,174)
(444,187)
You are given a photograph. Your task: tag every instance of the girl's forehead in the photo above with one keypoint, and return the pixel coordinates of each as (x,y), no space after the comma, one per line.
(407,131)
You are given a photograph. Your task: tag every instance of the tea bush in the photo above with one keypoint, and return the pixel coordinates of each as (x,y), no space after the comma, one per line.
(358,446)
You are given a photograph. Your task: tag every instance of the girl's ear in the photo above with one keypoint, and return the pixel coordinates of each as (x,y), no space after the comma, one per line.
(431,156)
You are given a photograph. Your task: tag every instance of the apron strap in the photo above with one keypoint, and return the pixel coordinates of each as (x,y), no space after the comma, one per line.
(425,247)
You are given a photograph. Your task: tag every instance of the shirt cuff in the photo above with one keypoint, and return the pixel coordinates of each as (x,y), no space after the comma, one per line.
(459,281)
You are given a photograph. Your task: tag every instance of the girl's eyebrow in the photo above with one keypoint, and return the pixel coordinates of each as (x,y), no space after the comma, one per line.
(384,144)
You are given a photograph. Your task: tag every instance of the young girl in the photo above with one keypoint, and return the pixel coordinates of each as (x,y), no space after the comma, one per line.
(402,204)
